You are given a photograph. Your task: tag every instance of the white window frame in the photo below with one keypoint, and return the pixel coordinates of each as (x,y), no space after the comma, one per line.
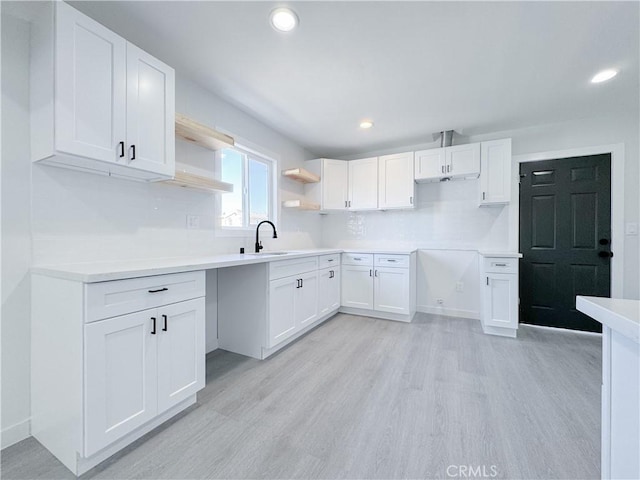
(247,229)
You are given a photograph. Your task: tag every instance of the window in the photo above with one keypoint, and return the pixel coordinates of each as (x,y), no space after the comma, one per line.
(252,198)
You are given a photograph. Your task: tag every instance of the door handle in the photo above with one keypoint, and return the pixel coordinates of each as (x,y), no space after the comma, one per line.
(153,325)
(603,254)
(164,317)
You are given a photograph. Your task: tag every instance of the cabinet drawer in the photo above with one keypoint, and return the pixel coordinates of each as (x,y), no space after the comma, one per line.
(400,261)
(326,261)
(109,299)
(357,259)
(500,265)
(296,266)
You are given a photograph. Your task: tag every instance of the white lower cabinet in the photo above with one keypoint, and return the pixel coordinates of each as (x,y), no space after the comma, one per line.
(499,284)
(289,298)
(379,285)
(328,290)
(391,287)
(293,304)
(357,286)
(101,381)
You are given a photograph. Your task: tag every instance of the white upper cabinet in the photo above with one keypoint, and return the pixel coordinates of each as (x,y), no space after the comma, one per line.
(150,113)
(396,181)
(335,184)
(98,103)
(495,173)
(90,87)
(462,161)
(459,161)
(363,184)
(429,165)
(332,192)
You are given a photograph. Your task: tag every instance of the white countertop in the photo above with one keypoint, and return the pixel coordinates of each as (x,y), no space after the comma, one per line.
(106,271)
(486,253)
(622,316)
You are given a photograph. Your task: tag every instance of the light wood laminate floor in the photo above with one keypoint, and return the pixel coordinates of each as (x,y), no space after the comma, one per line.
(366,398)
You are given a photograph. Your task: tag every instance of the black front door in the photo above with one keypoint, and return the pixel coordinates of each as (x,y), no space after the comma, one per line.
(565,239)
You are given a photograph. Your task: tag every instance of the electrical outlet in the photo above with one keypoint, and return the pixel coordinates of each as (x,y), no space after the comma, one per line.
(439,301)
(193,222)
(459,287)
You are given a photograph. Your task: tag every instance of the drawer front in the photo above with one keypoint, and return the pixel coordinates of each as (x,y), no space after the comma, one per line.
(400,261)
(500,265)
(357,259)
(326,261)
(296,266)
(109,299)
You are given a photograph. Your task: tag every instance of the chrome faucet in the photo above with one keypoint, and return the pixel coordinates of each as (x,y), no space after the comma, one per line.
(258,242)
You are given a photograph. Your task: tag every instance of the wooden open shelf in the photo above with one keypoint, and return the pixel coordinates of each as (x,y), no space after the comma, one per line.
(301,175)
(300,205)
(207,137)
(198,182)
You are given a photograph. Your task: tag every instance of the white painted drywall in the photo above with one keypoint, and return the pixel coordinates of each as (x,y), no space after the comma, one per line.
(16,235)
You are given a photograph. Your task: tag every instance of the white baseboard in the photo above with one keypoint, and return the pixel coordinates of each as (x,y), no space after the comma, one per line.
(15,433)
(449,312)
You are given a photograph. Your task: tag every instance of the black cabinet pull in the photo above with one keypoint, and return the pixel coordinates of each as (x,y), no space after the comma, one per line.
(159,290)
(153,328)
(121,144)
(604,241)
(376,273)
(371,273)
(297,283)
(164,317)
(301,283)
(133,148)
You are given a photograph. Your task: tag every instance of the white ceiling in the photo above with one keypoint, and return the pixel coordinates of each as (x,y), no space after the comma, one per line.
(413,67)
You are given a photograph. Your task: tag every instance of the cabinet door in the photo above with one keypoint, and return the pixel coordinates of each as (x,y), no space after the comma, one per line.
(306,303)
(430,164)
(334,290)
(391,290)
(120,377)
(363,184)
(395,183)
(282,322)
(90,87)
(500,300)
(357,286)
(463,160)
(335,184)
(181,351)
(324,284)
(495,172)
(150,113)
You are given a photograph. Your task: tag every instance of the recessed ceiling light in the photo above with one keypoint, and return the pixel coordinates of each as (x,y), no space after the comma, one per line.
(284,19)
(604,75)
(366,124)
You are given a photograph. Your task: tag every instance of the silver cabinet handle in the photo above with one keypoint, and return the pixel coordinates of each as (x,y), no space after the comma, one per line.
(357,258)
(391,260)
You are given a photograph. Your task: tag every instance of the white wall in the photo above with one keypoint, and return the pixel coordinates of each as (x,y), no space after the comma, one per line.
(79,217)
(447,217)
(16,245)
